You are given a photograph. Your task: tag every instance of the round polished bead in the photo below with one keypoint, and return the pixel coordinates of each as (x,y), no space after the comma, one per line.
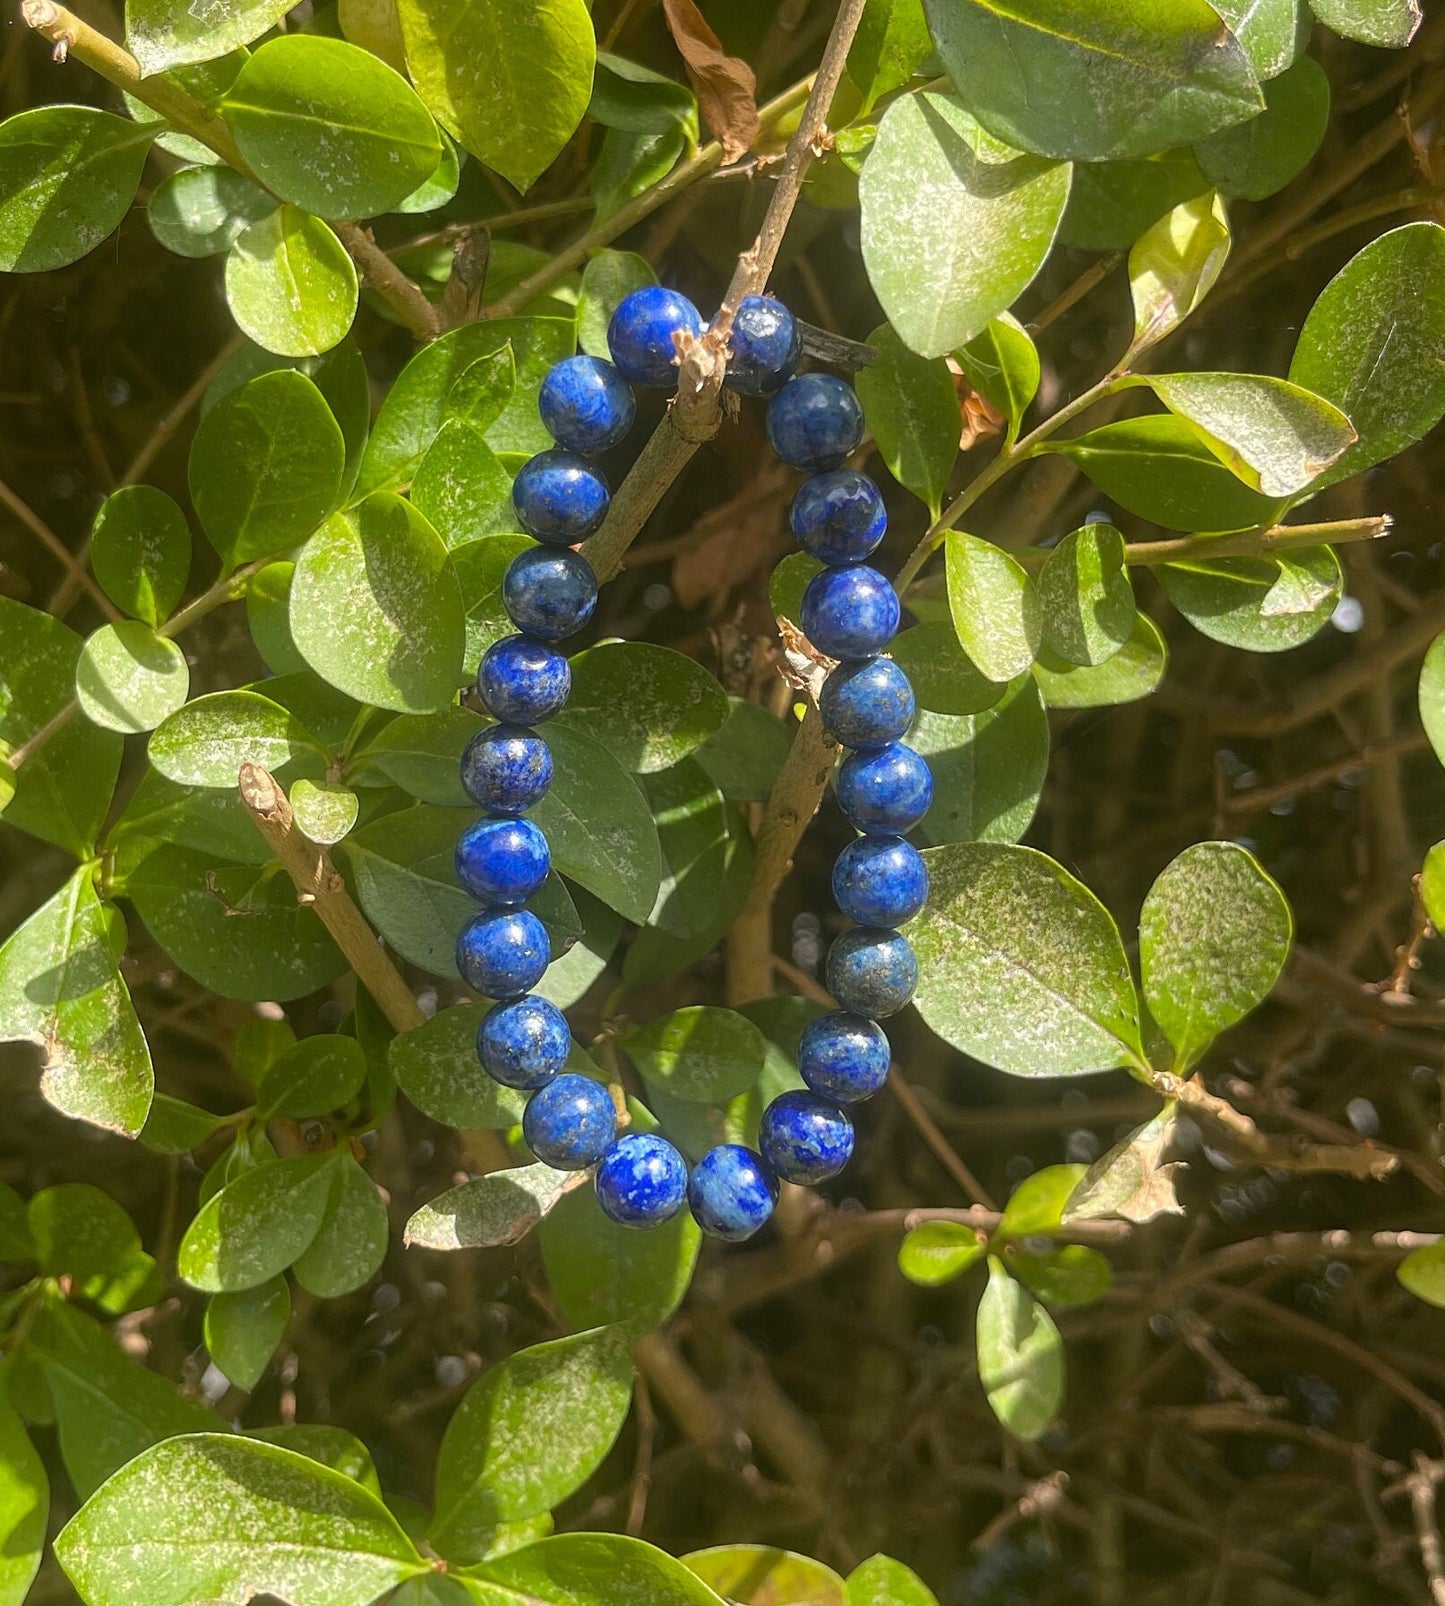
(569,1123)
(502,861)
(641,1181)
(731,1193)
(804,1138)
(506,769)
(522,681)
(844,1057)
(815,421)
(503,952)
(524,1042)
(868,705)
(586,404)
(872,971)
(559,497)
(885,792)
(880,881)
(549,592)
(850,613)
(640,334)
(838,516)
(764,347)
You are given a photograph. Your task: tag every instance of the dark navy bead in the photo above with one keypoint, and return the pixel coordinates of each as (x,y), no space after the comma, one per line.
(506,769)
(524,1042)
(880,881)
(888,791)
(764,347)
(522,681)
(731,1193)
(570,1122)
(503,952)
(640,334)
(815,421)
(641,1181)
(844,1057)
(868,705)
(586,404)
(560,497)
(804,1138)
(549,592)
(871,971)
(502,861)
(850,613)
(839,516)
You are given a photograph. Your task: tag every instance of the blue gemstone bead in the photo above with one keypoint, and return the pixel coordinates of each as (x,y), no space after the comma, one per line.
(867,706)
(731,1193)
(844,1057)
(640,334)
(502,861)
(641,1181)
(503,952)
(570,1122)
(764,347)
(880,881)
(871,971)
(839,516)
(524,1042)
(804,1138)
(522,681)
(560,497)
(888,791)
(850,613)
(549,592)
(586,404)
(815,421)
(506,769)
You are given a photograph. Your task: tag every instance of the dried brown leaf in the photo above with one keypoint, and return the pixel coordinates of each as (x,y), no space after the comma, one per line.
(727,91)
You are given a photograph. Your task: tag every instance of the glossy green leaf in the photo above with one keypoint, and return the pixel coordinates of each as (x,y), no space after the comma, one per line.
(462,488)
(480,568)
(1086,599)
(488,1212)
(206,742)
(701,1053)
(175,1127)
(1065,1277)
(333,1447)
(1173,265)
(988,768)
(243,1329)
(994,605)
(650,705)
(1037,1204)
(129,679)
(787,583)
(607,278)
(936,1252)
(588,1570)
(889,47)
(324,814)
(911,408)
(1256,158)
(1432,696)
(350,1244)
(881,1581)
(315,1076)
(80,1232)
(140,550)
(200,211)
(632,97)
(1391,24)
(1111,204)
(290,284)
(422,754)
(1272,33)
(24,1506)
(257,1225)
(436,1066)
(628,164)
(441,184)
(1422,1271)
(162,36)
(1133,672)
(204,81)
(1020,1356)
(743,756)
(1258,604)
(763,1575)
(1001,362)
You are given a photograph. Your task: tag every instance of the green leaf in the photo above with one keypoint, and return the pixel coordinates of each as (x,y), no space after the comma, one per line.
(1257,158)
(349,1247)
(290,284)
(1067,1277)
(628,164)
(1001,362)
(1271,32)
(1112,203)
(936,1252)
(480,567)
(256,1226)
(1432,695)
(243,1329)
(462,488)
(1173,265)
(881,1581)
(266,466)
(650,705)
(24,1505)
(80,1232)
(700,1053)
(1020,1356)
(607,278)
(787,583)
(1214,934)
(1136,670)
(1049,991)
(1391,24)
(436,1066)
(324,813)
(955,225)
(16,1244)
(333,1447)
(200,211)
(175,1127)
(630,96)
(509,79)
(161,35)
(1432,885)
(911,408)
(1372,343)
(1422,1271)
(1078,79)
(161,811)
(1258,604)
(889,47)
(488,1212)
(994,605)
(762,1575)
(130,679)
(588,1570)
(1086,598)
(215,1516)
(743,757)
(422,754)
(204,81)
(988,768)
(528,1433)
(442,184)
(206,742)
(68,175)
(140,549)
(1037,1204)
(315,1076)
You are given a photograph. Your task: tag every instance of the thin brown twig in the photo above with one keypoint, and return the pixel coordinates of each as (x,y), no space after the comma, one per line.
(942,1150)
(1407,955)
(74,568)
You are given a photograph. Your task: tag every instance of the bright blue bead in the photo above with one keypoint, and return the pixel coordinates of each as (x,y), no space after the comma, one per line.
(524,1042)
(866,706)
(560,497)
(804,1138)
(888,791)
(815,421)
(503,952)
(506,769)
(850,613)
(880,881)
(844,1057)
(839,516)
(549,592)
(569,1123)
(640,334)
(872,971)
(586,404)
(502,861)
(731,1193)
(764,347)
(641,1181)
(522,681)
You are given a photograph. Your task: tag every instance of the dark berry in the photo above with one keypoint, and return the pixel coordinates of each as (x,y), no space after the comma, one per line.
(549,592)
(850,613)
(764,347)
(640,334)
(880,881)
(888,791)
(815,421)
(522,681)
(641,1181)
(560,497)
(524,1042)
(502,861)
(844,1057)
(586,404)
(506,769)
(872,971)
(503,953)
(838,516)
(569,1123)
(804,1138)
(867,705)
(731,1193)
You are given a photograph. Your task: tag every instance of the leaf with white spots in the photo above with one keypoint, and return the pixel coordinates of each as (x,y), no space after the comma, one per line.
(489,1211)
